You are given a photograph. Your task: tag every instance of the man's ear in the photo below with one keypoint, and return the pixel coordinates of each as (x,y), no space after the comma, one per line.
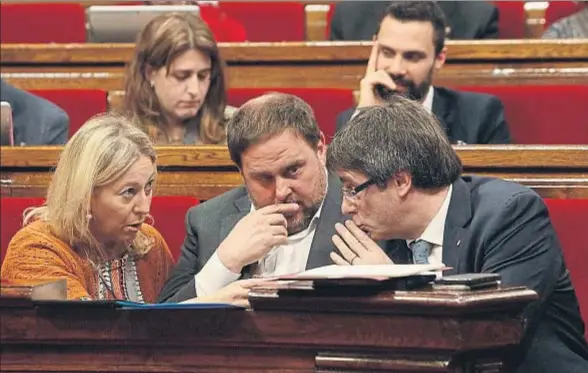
(440,58)
(321,149)
(241,172)
(403,182)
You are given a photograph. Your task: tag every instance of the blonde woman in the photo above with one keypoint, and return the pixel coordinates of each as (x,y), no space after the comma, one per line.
(92,230)
(175,85)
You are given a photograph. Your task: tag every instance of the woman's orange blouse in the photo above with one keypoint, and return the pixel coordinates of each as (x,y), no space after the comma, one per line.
(35,252)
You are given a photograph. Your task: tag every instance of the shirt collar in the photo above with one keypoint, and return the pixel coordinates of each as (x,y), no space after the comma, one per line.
(428,102)
(434,231)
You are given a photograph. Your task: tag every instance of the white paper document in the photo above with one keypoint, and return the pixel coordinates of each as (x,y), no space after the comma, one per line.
(365,271)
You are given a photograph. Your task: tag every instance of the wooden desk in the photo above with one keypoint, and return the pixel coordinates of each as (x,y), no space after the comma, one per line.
(207,171)
(310,64)
(418,331)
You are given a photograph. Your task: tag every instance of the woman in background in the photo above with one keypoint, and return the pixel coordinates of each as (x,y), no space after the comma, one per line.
(175,85)
(91,230)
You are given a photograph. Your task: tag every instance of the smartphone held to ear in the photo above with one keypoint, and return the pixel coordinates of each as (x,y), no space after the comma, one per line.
(6,126)
(384,92)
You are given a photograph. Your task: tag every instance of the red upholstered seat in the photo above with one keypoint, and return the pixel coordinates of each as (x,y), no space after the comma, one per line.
(169,213)
(326,102)
(569,218)
(543,114)
(79,104)
(269,21)
(558,10)
(224,26)
(330,14)
(511,24)
(42,23)
(11,214)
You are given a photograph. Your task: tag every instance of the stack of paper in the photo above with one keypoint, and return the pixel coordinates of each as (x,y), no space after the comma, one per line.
(374,272)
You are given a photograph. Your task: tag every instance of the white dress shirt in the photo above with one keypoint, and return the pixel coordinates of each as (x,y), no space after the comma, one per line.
(285,259)
(428,101)
(433,233)
(291,257)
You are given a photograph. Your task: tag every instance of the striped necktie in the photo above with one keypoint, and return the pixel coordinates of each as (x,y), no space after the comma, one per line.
(420,251)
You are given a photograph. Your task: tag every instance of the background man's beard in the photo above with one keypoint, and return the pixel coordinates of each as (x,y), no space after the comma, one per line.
(414,92)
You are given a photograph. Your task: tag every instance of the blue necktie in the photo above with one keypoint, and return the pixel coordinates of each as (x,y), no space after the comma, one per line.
(420,251)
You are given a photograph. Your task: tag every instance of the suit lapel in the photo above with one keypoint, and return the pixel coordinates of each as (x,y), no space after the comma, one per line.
(240,208)
(322,245)
(441,110)
(456,236)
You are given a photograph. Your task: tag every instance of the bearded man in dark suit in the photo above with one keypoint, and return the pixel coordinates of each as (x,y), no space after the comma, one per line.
(409,47)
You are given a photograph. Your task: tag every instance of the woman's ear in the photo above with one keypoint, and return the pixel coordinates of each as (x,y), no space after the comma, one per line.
(149,74)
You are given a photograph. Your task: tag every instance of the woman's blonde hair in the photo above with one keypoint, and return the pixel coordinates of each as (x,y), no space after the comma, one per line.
(159,43)
(98,154)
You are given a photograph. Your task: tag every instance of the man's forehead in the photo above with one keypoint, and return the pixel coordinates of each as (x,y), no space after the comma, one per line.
(272,161)
(415,35)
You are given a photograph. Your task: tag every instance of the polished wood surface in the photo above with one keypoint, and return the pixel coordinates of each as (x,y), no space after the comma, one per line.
(416,331)
(207,171)
(304,64)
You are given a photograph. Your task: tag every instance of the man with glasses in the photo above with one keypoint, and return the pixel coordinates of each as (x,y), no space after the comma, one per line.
(281,221)
(402,184)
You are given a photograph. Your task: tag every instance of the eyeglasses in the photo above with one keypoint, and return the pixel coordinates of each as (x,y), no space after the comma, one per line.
(352,193)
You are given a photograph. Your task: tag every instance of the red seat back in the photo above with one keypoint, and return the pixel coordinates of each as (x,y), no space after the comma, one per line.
(42,23)
(169,213)
(79,104)
(269,21)
(569,217)
(543,114)
(330,14)
(224,27)
(511,24)
(558,10)
(326,102)
(11,214)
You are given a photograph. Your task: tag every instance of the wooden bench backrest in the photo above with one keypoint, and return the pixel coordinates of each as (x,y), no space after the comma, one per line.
(291,65)
(204,172)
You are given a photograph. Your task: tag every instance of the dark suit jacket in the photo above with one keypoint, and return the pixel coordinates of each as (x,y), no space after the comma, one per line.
(473,118)
(497,226)
(359,20)
(208,224)
(36,121)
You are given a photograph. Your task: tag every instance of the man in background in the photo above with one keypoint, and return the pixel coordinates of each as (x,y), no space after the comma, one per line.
(574,26)
(36,121)
(466,20)
(409,48)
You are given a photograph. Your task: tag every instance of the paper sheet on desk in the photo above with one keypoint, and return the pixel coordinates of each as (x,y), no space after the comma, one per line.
(184,305)
(382,271)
